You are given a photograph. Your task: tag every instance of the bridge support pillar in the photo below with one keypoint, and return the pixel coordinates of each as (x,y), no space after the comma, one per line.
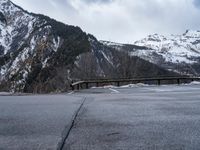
(159,81)
(86,85)
(118,84)
(72,87)
(97,84)
(178,81)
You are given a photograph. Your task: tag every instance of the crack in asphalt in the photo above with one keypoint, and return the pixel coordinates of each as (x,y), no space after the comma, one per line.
(68,129)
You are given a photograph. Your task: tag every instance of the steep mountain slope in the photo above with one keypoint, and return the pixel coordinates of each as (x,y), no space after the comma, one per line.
(179,53)
(109,62)
(33,47)
(39,54)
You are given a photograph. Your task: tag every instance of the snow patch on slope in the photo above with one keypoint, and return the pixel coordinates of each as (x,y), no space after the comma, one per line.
(107,58)
(56,43)
(15,20)
(114,45)
(108,43)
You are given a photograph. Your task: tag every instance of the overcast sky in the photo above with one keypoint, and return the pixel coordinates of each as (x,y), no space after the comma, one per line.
(121,20)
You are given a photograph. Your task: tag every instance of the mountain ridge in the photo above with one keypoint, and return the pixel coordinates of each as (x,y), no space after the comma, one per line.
(41,55)
(178,53)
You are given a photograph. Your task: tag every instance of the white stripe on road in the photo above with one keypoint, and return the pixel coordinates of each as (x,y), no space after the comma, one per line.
(114,91)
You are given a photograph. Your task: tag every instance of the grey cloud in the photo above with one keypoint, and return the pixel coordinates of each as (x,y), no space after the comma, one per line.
(197,3)
(121,20)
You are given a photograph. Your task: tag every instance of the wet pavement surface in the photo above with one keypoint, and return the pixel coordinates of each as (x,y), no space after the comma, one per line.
(138,118)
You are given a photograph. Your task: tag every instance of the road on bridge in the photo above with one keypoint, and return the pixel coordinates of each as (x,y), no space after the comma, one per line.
(149,117)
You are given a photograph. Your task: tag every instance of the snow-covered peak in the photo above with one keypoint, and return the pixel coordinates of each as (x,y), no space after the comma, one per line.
(116,46)
(187,40)
(12,13)
(108,43)
(192,34)
(183,48)
(24,40)
(4,2)
(8,8)
(13,20)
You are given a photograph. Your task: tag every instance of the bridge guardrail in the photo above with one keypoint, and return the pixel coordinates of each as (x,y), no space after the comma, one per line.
(85,84)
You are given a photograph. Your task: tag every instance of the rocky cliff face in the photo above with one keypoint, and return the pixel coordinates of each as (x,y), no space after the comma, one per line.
(39,54)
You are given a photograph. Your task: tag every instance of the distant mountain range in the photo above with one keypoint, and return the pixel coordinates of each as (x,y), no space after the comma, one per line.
(39,54)
(177,53)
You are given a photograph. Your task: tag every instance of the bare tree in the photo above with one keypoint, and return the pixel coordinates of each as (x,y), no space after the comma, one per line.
(87,67)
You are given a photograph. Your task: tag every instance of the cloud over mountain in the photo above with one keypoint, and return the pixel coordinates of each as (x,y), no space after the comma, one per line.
(122,20)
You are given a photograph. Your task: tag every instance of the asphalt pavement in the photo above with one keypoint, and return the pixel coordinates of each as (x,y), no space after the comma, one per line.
(141,118)
(128,118)
(35,122)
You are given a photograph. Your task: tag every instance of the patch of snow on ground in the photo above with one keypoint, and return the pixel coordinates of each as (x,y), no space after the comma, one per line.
(134,85)
(124,86)
(5,93)
(105,87)
(194,83)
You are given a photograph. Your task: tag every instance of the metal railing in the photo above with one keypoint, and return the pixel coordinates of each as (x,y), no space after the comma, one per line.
(118,82)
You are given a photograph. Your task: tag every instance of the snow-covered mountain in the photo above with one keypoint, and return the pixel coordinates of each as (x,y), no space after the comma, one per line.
(178,53)
(183,48)
(40,54)
(34,45)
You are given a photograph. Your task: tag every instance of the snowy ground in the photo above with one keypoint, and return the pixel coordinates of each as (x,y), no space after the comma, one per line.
(126,118)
